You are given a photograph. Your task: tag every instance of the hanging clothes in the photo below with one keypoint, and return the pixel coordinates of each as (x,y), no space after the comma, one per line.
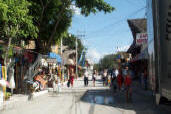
(11,78)
(0,72)
(4,73)
(1,98)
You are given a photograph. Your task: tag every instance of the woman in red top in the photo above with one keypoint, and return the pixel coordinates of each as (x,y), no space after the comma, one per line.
(128,82)
(72,77)
(120,80)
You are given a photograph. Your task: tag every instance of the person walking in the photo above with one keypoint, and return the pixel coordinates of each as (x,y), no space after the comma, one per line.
(113,79)
(85,78)
(72,77)
(104,77)
(128,82)
(120,80)
(94,77)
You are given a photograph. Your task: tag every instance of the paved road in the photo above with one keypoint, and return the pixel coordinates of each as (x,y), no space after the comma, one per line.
(87,100)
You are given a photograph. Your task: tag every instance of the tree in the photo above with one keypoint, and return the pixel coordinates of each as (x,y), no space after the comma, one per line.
(107,62)
(111,61)
(53,17)
(15,23)
(93,6)
(70,40)
(46,13)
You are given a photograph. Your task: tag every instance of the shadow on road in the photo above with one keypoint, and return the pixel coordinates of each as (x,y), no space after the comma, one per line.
(139,105)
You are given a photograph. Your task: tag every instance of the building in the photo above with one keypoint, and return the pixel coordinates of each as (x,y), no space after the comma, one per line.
(138,49)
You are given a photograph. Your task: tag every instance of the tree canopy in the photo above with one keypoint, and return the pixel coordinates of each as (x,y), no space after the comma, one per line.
(15,21)
(93,6)
(111,61)
(46,20)
(54,17)
(70,41)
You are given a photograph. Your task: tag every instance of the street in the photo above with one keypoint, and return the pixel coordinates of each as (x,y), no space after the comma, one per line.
(87,100)
(50,48)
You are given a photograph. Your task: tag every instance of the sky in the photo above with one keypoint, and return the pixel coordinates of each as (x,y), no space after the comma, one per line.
(107,33)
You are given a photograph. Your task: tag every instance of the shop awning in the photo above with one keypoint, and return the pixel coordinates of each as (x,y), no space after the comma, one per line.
(55,56)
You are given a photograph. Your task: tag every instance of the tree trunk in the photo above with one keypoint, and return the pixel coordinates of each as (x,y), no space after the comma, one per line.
(55,27)
(65,4)
(6,55)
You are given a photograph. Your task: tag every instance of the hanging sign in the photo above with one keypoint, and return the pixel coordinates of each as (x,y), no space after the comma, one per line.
(141,38)
(51,60)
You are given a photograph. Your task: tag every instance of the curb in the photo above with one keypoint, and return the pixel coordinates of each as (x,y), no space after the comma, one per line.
(36,94)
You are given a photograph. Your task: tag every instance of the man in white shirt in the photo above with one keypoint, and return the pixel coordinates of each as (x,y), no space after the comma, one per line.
(85,78)
(116,72)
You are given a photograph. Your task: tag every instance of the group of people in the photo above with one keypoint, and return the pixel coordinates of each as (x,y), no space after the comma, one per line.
(118,80)
(86,75)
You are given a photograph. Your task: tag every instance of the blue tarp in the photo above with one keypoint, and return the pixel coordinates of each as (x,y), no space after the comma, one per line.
(56,56)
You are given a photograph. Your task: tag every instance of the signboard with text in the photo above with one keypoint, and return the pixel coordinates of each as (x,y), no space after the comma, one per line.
(141,38)
(51,60)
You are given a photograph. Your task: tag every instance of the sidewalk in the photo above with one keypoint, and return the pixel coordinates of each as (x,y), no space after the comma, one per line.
(18,99)
(79,86)
(139,90)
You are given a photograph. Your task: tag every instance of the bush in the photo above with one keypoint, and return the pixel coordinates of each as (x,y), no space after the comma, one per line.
(7,95)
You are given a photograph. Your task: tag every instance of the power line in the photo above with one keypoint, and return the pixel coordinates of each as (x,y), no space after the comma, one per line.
(118,21)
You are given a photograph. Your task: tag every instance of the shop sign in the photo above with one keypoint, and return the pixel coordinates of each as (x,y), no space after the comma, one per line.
(141,38)
(50,60)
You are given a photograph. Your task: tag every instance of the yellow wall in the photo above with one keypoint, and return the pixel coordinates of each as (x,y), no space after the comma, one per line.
(30,45)
(54,48)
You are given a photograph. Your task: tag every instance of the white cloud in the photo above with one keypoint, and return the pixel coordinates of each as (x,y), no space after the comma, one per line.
(75,9)
(93,55)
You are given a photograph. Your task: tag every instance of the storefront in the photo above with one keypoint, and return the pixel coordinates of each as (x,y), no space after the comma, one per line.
(138,49)
(3,76)
(53,67)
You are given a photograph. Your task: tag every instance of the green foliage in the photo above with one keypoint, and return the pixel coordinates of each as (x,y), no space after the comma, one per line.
(107,62)
(7,95)
(93,6)
(110,61)
(14,19)
(45,13)
(70,41)
(54,17)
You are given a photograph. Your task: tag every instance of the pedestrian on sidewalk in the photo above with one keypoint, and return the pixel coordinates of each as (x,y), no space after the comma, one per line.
(94,77)
(120,80)
(113,79)
(128,82)
(72,77)
(68,83)
(104,78)
(53,78)
(85,78)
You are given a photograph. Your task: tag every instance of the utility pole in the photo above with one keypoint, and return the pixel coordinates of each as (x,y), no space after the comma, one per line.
(80,35)
(62,64)
(76,43)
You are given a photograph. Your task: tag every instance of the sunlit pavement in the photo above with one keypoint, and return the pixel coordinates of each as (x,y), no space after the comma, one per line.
(88,100)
